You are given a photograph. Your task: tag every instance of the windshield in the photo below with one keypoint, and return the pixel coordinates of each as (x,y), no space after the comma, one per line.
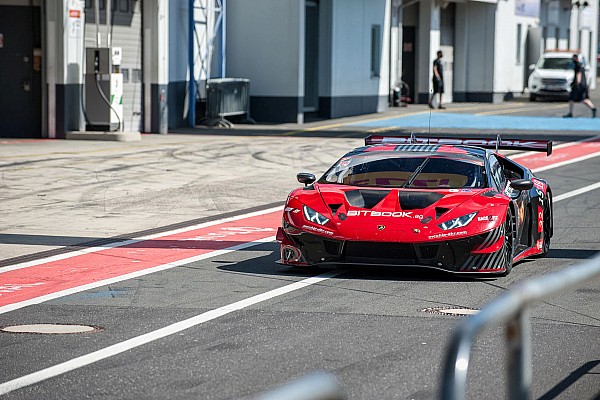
(415,172)
(555,63)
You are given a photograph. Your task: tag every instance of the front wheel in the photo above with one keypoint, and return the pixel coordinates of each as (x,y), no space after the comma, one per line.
(509,240)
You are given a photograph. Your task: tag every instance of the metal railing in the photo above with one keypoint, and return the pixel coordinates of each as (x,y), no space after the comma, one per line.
(510,309)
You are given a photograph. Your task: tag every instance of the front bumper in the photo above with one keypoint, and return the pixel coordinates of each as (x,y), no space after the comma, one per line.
(459,255)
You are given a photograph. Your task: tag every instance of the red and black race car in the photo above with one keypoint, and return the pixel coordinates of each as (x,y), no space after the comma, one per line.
(451,204)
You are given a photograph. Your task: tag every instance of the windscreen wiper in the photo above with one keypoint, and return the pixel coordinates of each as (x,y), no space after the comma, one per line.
(414,175)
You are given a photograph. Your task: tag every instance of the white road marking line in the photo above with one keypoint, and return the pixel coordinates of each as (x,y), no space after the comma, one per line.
(559,146)
(177,327)
(132,241)
(577,192)
(567,162)
(132,275)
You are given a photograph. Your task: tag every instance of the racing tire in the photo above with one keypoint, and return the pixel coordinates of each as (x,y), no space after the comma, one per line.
(509,240)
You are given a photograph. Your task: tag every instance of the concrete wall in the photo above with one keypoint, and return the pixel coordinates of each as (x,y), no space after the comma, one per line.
(265,43)
(510,70)
(354,89)
(474,51)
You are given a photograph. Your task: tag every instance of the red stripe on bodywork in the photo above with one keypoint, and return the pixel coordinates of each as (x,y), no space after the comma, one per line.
(50,277)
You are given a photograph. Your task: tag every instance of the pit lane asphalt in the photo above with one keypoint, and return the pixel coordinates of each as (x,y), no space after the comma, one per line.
(365,325)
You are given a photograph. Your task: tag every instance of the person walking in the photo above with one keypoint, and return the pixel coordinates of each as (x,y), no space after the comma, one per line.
(438,80)
(579,89)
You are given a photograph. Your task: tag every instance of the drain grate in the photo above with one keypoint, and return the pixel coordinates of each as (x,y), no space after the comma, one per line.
(450,310)
(50,329)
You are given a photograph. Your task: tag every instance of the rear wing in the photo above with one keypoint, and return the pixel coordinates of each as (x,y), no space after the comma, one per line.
(486,143)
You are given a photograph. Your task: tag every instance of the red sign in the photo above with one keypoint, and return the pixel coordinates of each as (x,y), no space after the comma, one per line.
(74,13)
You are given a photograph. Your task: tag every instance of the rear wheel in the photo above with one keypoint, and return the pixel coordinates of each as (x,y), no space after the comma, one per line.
(509,240)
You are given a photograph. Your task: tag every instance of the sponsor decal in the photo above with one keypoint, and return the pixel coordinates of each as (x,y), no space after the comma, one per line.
(415,230)
(381,227)
(539,244)
(487,218)
(539,185)
(540,220)
(291,210)
(447,234)
(344,162)
(392,214)
(469,142)
(315,229)
(227,233)
(453,190)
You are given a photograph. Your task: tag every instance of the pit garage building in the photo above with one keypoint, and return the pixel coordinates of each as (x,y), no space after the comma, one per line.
(304,59)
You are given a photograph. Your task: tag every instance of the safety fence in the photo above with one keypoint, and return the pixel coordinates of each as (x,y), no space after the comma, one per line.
(511,310)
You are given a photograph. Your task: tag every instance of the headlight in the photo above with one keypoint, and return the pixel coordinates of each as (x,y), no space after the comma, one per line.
(534,77)
(314,217)
(458,222)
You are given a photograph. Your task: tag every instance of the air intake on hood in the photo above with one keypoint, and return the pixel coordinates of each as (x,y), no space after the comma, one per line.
(365,198)
(418,200)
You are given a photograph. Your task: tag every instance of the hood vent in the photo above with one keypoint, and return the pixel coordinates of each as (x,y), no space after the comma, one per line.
(418,200)
(365,198)
(334,207)
(439,211)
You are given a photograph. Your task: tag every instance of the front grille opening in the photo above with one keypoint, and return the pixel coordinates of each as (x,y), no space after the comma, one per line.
(380,253)
(332,248)
(429,251)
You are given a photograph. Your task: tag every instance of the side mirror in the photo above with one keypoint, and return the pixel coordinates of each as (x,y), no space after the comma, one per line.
(306,178)
(521,184)
(531,67)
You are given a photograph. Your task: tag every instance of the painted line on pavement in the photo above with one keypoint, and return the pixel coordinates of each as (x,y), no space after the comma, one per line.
(81,288)
(134,241)
(557,147)
(177,327)
(576,192)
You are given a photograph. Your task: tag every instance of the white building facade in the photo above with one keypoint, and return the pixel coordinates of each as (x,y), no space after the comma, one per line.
(305,59)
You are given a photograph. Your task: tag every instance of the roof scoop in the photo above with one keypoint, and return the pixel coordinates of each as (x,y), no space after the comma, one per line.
(417,200)
(365,198)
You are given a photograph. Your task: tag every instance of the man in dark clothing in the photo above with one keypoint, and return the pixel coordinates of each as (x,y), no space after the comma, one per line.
(579,89)
(438,80)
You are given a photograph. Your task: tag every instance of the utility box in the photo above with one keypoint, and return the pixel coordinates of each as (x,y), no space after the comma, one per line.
(103,91)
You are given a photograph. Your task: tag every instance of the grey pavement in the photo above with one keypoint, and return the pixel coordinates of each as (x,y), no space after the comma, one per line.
(61,193)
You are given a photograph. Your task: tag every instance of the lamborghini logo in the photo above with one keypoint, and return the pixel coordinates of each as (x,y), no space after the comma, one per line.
(381,227)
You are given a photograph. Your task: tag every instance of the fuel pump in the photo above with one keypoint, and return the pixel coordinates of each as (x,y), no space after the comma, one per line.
(103,89)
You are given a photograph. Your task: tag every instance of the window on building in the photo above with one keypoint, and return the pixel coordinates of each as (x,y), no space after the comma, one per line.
(375,50)
(519,35)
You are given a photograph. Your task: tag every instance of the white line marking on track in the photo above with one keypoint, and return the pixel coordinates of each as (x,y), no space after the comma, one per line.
(177,327)
(132,275)
(141,239)
(567,162)
(577,192)
(558,146)
(137,341)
